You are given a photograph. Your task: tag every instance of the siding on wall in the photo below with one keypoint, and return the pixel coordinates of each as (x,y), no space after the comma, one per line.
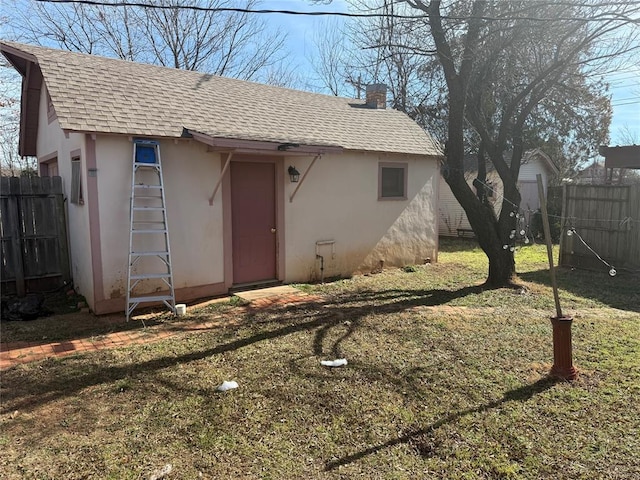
(452,215)
(530,169)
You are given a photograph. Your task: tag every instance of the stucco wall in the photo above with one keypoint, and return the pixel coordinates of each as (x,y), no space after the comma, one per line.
(195,227)
(339,202)
(51,139)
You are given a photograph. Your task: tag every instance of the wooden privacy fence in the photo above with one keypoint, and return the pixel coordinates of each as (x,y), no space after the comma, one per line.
(35,254)
(608,219)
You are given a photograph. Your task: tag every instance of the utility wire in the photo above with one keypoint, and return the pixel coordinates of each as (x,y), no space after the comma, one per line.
(616,104)
(600,18)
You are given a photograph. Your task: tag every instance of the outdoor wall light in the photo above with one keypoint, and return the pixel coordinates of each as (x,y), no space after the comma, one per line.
(294,175)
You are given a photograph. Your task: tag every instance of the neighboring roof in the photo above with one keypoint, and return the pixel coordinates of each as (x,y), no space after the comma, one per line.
(96,94)
(627,156)
(594,168)
(529,155)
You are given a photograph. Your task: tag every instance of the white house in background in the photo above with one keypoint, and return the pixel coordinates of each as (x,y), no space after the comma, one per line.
(367,192)
(452,218)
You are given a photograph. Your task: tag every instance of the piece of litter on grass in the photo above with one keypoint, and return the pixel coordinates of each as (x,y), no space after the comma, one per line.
(161,473)
(226,385)
(339,362)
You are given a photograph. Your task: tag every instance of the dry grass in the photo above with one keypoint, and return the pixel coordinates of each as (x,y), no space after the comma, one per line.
(443,381)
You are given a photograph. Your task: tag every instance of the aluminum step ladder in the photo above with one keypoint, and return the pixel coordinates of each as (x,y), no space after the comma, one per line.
(149,267)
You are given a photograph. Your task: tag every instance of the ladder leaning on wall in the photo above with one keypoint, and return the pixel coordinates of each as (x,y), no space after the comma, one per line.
(149,268)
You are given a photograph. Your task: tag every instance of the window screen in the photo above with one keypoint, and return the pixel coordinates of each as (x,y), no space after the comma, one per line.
(392,181)
(76,182)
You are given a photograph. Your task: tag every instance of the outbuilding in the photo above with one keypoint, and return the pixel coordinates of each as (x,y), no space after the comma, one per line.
(262,183)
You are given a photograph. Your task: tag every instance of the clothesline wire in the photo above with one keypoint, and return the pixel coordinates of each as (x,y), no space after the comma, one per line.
(528,210)
(570,231)
(612,272)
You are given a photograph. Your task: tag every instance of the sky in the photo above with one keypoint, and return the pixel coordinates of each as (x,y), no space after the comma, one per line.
(625,83)
(625,90)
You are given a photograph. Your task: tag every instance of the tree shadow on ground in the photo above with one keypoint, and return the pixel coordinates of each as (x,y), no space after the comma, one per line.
(521,394)
(393,299)
(619,292)
(68,327)
(64,379)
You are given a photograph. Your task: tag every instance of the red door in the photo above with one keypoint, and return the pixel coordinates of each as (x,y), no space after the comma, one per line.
(253,221)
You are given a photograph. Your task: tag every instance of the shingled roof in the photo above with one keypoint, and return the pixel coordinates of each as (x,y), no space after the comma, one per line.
(103,95)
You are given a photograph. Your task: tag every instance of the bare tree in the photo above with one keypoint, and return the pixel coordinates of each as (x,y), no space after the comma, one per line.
(502,61)
(233,44)
(627,135)
(329,61)
(497,78)
(351,54)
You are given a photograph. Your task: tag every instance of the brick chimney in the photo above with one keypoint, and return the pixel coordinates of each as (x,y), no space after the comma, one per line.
(377,95)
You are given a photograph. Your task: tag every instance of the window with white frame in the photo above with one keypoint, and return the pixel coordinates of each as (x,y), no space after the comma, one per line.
(392,181)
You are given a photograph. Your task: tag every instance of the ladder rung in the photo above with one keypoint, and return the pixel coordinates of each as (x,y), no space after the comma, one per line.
(146,254)
(148,208)
(145,164)
(152,298)
(149,230)
(146,276)
(143,185)
(150,222)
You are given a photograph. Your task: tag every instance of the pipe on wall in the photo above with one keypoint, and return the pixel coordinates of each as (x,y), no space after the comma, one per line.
(319,244)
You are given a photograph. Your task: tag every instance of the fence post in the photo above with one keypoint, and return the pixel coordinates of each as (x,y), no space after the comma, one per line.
(16,240)
(563,224)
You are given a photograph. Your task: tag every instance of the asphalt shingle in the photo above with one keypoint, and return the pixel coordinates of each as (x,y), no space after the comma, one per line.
(106,95)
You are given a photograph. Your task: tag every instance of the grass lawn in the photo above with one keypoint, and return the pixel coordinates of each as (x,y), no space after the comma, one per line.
(444,380)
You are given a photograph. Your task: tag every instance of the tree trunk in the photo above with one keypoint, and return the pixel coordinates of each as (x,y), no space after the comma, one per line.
(492,236)
(502,268)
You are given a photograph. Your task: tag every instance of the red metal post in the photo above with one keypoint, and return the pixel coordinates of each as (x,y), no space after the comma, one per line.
(562,349)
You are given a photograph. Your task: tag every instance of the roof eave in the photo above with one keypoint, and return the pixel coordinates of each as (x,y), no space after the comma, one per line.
(27,65)
(17,58)
(550,163)
(627,156)
(262,147)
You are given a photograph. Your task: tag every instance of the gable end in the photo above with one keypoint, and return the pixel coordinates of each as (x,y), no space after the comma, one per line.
(30,99)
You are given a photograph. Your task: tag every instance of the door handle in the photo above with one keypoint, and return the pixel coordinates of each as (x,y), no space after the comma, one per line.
(273,230)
